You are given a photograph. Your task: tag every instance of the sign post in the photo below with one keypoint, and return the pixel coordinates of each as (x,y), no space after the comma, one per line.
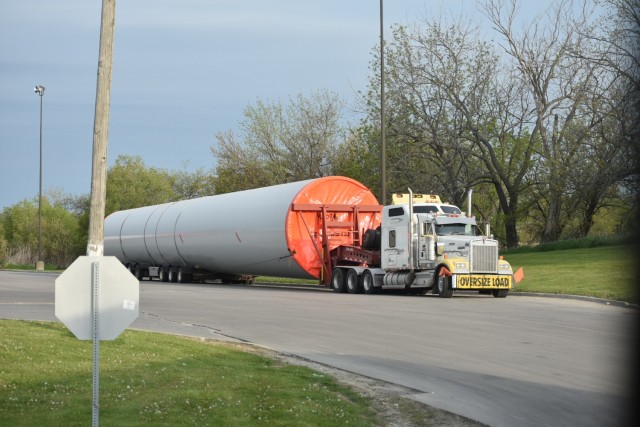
(95,327)
(96,298)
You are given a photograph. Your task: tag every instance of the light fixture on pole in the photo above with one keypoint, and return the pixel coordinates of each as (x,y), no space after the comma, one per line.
(39,90)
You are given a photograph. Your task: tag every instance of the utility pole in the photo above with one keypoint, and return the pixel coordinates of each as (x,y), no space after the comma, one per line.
(383,166)
(95,246)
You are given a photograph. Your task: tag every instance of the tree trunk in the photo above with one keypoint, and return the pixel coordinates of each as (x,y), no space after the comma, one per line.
(552,227)
(511,231)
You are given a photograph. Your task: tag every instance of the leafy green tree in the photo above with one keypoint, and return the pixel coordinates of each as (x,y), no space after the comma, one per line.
(61,237)
(189,185)
(131,184)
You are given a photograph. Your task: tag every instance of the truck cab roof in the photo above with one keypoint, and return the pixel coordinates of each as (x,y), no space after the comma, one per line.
(441,208)
(424,208)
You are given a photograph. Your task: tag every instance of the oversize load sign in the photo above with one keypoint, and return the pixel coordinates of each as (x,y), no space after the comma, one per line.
(117,301)
(471,281)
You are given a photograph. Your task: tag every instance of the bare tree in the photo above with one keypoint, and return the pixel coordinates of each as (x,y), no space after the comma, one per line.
(568,91)
(456,116)
(279,143)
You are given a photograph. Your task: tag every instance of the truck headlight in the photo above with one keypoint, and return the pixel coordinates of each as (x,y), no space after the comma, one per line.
(462,267)
(504,268)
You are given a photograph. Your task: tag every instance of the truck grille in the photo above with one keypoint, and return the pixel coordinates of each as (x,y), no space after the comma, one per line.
(484,256)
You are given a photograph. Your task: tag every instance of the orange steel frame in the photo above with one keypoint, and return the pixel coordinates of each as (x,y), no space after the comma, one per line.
(353,228)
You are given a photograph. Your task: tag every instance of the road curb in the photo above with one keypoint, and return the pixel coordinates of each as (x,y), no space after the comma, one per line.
(604,301)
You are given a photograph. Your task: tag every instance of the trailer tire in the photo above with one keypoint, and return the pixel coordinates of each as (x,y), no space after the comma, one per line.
(180,276)
(500,293)
(368,283)
(353,282)
(444,286)
(162,274)
(137,272)
(171,275)
(337,281)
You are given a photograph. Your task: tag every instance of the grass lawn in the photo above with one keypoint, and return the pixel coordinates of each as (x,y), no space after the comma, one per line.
(149,379)
(603,272)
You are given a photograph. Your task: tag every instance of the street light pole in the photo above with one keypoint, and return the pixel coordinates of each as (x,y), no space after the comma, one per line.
(383,166)
(39,90)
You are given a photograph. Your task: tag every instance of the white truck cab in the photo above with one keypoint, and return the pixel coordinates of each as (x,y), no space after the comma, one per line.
(427,244)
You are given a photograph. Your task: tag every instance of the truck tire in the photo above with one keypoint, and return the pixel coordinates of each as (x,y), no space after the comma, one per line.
(353,282)
(337,281)
(500,293)
(444,286)
(367,283)
(371,239)
(180,276)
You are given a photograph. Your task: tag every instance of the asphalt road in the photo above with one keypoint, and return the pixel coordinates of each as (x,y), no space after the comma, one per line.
(520,361)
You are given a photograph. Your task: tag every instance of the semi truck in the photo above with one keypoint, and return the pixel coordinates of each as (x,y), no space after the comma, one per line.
(330,229)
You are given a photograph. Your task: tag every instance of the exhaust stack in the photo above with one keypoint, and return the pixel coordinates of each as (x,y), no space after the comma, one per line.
(469,202)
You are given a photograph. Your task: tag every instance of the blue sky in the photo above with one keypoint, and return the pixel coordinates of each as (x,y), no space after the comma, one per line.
(183,70)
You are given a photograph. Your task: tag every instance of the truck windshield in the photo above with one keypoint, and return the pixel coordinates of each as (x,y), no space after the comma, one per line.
(458,229)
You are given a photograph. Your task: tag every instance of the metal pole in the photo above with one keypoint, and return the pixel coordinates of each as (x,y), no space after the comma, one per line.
(383,167)
(39,90)
(95,323)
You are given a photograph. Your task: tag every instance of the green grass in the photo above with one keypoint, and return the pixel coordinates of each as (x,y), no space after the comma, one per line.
(604,271)
(270,279)
(47,267)
(154,379)
(582,243)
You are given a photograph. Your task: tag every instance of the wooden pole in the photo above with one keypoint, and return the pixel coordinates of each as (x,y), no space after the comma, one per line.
(95,246)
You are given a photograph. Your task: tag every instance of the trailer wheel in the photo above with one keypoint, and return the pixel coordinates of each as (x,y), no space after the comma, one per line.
(367,283)
(171,275)
(183,277)
(137,272)
(500,293)
(353,282)
(444,287)
(337,281)
(162,274)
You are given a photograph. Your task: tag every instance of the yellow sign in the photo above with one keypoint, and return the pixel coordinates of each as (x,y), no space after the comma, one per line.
(480,281)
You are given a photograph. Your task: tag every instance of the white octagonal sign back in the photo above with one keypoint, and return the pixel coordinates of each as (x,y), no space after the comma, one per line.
(118,296)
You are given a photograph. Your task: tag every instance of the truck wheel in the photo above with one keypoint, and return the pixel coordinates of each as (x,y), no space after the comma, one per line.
(337,281)
(500,293)
(137,271)
(367,283)
(444,287)
(353,282)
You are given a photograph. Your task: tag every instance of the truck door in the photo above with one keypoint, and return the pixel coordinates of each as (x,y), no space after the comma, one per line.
(426,243)
(395,239)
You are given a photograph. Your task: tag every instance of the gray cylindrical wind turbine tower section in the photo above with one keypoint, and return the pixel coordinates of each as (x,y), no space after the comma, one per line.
(253,232)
